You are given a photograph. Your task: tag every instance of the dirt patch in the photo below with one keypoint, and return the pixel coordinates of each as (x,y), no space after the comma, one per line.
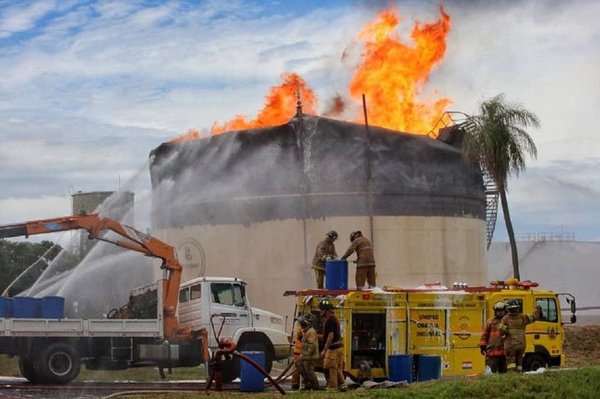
(582,345)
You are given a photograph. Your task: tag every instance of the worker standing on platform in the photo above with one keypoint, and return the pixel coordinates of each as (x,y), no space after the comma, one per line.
(325,250)
(365,260)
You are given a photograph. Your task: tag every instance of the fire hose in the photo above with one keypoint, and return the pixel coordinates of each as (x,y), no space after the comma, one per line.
(228,348)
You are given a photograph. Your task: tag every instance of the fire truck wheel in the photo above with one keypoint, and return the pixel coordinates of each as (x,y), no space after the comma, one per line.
(59,363)
(27,370)
(534,361)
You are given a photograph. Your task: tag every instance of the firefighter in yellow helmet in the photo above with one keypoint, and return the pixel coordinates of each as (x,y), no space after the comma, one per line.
(365,259)
(492,343)
(325,250)
(512,326)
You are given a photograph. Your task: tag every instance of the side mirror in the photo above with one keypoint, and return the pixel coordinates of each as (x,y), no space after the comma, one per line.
(573,307)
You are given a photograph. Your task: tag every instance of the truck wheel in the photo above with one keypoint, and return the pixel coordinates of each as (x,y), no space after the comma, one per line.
(27,370)
(59,363)
(533,362)
(259,347)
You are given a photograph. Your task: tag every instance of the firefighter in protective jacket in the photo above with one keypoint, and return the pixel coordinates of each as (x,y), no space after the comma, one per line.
(492,343)
(325,250)
(309,354)
(512,327)
(297,350)
(365,259)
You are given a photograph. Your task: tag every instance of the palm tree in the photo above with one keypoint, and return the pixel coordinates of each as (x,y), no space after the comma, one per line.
(499,142)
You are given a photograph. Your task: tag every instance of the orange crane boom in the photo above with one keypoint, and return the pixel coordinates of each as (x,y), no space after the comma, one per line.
(137,241)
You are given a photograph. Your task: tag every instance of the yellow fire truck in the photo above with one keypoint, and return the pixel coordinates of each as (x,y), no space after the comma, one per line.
(435,320)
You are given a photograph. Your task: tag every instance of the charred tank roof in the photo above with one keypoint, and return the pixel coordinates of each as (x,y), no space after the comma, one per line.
(311,167)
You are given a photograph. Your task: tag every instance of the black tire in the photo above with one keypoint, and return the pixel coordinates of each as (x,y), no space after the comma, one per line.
(534,361)
(59,363)
(27,370)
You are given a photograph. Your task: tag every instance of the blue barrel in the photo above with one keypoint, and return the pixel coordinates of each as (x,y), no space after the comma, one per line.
(400,367)
(53,307)
(336,275)
(430,368)
(5,307)
(252,380)
(26,307)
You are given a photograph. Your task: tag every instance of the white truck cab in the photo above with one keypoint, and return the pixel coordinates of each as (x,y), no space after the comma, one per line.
(224,300)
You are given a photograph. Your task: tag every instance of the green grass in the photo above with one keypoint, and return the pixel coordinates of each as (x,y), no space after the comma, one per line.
(555,384)
(581,383)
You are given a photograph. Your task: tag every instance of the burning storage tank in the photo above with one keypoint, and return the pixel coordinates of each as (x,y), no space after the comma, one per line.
(255,203)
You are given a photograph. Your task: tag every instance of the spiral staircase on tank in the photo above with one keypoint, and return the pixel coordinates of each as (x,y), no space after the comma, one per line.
(463,122)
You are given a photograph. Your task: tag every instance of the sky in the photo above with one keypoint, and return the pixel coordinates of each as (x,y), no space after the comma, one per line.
(89,88)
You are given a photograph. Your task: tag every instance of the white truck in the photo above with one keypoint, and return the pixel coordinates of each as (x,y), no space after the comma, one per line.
(160,325)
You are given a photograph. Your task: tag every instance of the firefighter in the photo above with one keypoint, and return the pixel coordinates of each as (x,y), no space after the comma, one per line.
(309,354)
(325,250)
(492,344)
(512,326)
(365,259)
(332,352)
(297,350)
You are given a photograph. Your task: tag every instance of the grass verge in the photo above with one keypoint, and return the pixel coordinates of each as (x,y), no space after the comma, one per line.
(576,383)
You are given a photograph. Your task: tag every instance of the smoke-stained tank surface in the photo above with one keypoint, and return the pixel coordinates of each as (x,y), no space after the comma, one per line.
(311,167)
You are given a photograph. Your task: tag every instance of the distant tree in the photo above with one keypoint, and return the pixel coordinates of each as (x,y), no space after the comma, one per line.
(15,257)
(499,142)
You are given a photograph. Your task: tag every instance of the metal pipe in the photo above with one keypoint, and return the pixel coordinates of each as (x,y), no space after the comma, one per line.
(369,177)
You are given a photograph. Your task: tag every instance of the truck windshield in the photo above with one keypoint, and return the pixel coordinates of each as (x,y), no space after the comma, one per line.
(228,294)
(547,309)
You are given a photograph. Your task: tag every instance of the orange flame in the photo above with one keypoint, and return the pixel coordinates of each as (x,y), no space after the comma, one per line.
(191,134)
(393,74)
(280,106)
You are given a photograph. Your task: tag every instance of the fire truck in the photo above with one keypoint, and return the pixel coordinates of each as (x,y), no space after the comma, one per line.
(164,324)
(436,320)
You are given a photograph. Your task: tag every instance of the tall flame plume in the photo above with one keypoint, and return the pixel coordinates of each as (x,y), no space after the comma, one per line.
(392,75)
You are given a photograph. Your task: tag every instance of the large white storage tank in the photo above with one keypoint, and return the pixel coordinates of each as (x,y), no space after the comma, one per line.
(254,204)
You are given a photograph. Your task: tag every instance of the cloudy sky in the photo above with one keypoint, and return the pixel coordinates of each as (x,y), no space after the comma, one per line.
(89,88)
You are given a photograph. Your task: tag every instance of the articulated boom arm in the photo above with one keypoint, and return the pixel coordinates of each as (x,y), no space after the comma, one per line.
(137,241)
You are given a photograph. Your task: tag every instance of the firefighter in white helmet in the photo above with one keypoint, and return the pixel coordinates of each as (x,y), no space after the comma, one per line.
(492,343)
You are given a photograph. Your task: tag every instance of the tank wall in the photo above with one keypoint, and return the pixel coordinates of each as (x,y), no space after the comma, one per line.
(275,256)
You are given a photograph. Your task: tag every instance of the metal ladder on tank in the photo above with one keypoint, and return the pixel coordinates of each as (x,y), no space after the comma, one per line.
(463,122)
